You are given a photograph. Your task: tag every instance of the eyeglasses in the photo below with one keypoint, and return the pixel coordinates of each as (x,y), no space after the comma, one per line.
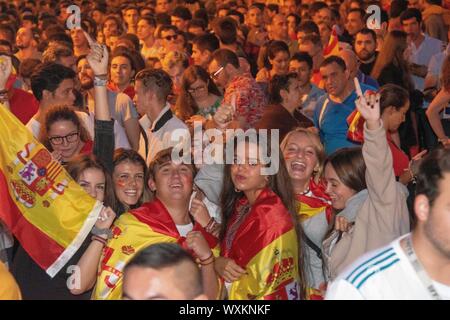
(169,38)
(198,89)
(215,75)
(57,140)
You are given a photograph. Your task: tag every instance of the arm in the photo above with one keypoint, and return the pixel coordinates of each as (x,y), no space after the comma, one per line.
(436,106)
(133,132)
(5,72)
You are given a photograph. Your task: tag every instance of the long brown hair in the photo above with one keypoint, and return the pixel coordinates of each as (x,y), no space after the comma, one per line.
(392,52)
(186,105)
(80,163)
(279,184)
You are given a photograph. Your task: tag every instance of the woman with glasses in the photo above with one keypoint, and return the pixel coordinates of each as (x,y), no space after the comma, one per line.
(199,96)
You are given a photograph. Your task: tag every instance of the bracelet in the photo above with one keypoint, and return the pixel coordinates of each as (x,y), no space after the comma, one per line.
(99,82)
(208,260)
(211,224)
(443,140)
(207,264)
(99,239)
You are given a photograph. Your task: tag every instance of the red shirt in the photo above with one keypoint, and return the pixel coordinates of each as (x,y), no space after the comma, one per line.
(129,91)
(400,159)
(23,105)
(88,148)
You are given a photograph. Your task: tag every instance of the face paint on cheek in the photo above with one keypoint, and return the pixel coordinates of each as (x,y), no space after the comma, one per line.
(120,184)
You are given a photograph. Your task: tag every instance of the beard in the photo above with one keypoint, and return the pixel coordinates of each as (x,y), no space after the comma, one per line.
(365,55)
(437,237)
(87,84)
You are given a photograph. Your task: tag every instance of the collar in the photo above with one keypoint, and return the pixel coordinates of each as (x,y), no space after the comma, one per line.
(164,116)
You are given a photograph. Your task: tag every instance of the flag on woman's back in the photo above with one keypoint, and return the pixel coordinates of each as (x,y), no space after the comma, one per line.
(45,209)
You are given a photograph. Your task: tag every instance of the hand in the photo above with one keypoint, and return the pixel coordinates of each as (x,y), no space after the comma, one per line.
(97,57)
(228,269)
(57,155)
(341,224)
(416,161)
(5,71)
(369,106)
(200,212)
(223,116)
(195,118)
(105,218)
(197,243)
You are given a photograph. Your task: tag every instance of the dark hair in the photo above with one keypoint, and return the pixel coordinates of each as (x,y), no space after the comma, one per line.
(150,20)
(303,57)
(128,155)
(298,19)
(124,52)
(431,172)
(132,39)
(164,255)
(334,59)
(308,26)
(197,23)
(162,18)
(157,80)
(207,42)
(225,56)
(61,113)
(226,30)
(316,6)
(366,31)
(31,18)
(117,21)
(272,49)
(276,183)
(411,13)
(278,83)
(397,7)
(361,12)
(182,13)
(49,76)
(350,167)
(271,7)
(393,95)
(61,38)
(202,14)
(186,105)
(27,67)
(6,43)
(165,28)
(80,163)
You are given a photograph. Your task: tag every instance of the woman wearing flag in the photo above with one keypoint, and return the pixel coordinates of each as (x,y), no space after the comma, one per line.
(304,155)
(164,219)
(261,256)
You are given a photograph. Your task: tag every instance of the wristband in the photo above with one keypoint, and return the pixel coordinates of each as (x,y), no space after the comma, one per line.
(99,239)
(99,82)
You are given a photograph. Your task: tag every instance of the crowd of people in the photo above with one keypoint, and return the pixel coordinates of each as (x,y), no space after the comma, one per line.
(356,107)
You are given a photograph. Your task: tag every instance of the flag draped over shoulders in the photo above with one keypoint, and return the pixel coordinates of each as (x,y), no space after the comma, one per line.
(133,231)
(265,244)
(45,209)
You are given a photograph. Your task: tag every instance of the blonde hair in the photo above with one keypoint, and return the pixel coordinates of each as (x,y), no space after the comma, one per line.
(317,145)
(173,58)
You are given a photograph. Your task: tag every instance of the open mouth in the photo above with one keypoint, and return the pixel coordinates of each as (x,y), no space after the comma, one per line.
(176,186)
(298,166)
(131,193)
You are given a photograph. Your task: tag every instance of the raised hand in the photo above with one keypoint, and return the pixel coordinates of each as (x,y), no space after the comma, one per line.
(369,106)
(105,218)
(197,243)
(199,212)
(98,57)
(5,71)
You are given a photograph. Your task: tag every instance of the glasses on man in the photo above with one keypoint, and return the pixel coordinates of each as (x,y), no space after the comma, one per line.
(57,140)
(215,75)
(195,90)
(170,38)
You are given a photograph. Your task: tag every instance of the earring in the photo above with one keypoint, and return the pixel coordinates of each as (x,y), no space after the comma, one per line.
(237,190)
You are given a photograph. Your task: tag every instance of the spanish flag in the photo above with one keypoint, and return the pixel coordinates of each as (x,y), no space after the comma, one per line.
(265,245)
(133,231)
(315,201)
(332,49)
(41,205)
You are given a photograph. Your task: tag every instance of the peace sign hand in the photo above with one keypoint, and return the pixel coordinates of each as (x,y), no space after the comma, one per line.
(98,57)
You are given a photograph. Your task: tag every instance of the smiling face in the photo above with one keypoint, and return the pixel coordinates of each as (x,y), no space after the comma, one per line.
(64,137)
(128,178)
(301,157)
(172,182)
(93,180)
(336,189)
(85,74)
(246,170)
(280,63)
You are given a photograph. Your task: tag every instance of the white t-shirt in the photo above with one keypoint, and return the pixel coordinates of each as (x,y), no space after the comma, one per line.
(383,274)
(183,230)
(88,120)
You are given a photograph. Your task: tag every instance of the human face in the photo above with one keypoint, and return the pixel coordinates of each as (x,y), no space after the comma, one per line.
(291,100)
(198,89)
(97,16)
(172,182)
(279,27)
(302,70)
(396,117)
(128,178)
(255,17)
(176,74)
(169,40)
(196,31)
(162,6)
(144,30)
(85,75)
(280,63)
(324,15)
(64,137)
(150,284)
(63,95)
(334,78)
(68,62)
(312,49)
(92,180)
(121,71)
(365,46)
(246,170)
(131,17)
(437,225)
(301,157)
(354,23)
(24,38)
(339,193)
(110,28)
(219,77)
(289,6)
(412,28)
(179,23)
(78,37)
(325,33)
(201,58)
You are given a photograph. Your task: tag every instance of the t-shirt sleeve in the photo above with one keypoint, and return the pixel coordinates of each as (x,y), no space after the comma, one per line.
(342,290)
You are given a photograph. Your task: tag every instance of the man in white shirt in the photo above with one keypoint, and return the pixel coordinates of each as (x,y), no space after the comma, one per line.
(159,124)
(421,47)
(414,266)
